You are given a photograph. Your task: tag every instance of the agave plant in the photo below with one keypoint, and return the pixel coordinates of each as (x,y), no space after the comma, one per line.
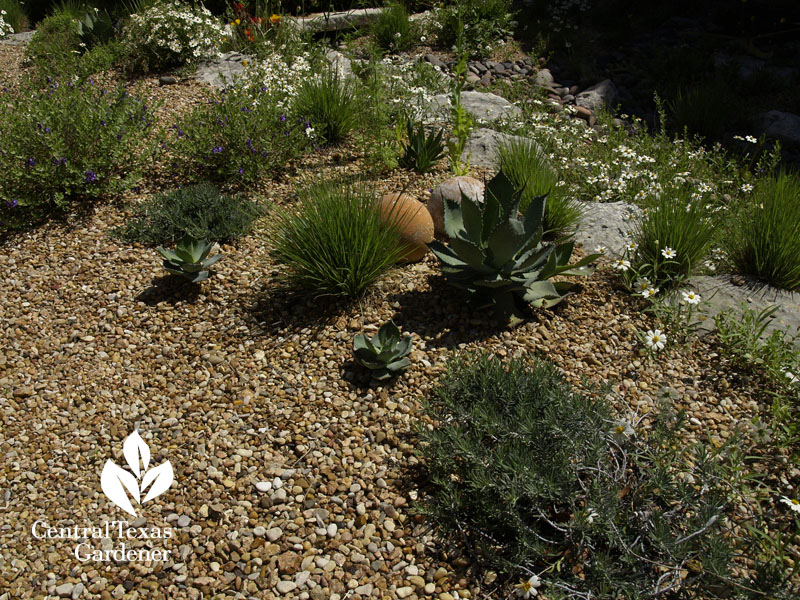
(190,258)
(385,354)
(423,149)
(499,256)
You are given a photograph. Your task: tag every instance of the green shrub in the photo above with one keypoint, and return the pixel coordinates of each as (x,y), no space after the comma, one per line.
(393,31)
(55,40)
(535,478)
(671,237)
(764,232)
(68,142)
(499,257)
(13,15)
(240,135)
(483,22)
(199,210)
(335,242)
(330,102)
(529,170)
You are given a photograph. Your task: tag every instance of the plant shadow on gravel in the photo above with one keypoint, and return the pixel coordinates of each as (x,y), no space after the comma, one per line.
(450,320)
(279,309)
(171,289)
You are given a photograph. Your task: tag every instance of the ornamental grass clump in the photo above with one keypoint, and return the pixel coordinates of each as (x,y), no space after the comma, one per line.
(330,101)
(68,144)
(499,257)
(538,480)
(200,210)
(763,238)
(335,241)
(671,238)
(531,173)
(393,31)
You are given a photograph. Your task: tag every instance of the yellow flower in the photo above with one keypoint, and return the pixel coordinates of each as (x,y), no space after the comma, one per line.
(237,21)
(244,63)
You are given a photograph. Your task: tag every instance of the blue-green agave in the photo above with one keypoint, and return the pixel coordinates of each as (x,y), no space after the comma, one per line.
(190,258)
(385,354)
(499,256)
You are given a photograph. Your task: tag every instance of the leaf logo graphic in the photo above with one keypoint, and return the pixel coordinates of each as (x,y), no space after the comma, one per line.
(118,484)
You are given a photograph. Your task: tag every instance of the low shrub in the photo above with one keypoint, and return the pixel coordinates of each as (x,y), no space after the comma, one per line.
(544,483)
(483,22)
(12,17)
(329,100)
(68,142)
(55,40)
(170,34)
(199,210)
(529,170)
(671,238)
(335,242)
(240,135)
(393,31)
(764,232)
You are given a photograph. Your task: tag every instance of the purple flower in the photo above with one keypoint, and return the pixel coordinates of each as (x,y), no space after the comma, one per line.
(216,150)
(30,162)
(282,118)
(241,170)
(12,203)
(102,123)
(91,176)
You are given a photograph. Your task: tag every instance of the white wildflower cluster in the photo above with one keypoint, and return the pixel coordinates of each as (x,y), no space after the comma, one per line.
(279,77)
(174,33)
(5,28)
(410,96)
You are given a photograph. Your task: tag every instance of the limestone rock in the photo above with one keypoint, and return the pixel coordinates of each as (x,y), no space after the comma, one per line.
(599,96)
(452,189)
(782,126)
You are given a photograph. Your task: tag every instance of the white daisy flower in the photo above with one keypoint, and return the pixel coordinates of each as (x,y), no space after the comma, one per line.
(792,503)
(528,589)
(669,253)
(621,264)
(655,339)
(649,292)
(691,297)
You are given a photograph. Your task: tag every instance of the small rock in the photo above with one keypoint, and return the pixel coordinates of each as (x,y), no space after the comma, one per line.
(264,486)
(183,521)
(452,189)
(259,531)
(167,80)
(65,590)
(404,592)
(284,587)
(274,534)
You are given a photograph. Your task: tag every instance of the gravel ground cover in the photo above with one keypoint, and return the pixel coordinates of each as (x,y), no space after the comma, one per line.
(293,476)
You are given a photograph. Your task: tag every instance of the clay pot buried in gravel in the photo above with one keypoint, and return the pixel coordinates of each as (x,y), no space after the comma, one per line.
(415,223)
(452,189)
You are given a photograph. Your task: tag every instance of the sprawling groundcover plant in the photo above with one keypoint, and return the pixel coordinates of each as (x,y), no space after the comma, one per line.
(67,143)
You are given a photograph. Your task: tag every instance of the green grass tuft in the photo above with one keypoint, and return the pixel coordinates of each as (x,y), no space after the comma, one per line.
(330,102)
(335,242)
(528,169)
(764,236)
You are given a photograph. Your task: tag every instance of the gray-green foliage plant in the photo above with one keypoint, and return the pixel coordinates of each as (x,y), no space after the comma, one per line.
(500,257)
(423,150)
(385,354)
(764,232)
(534,477)
(200,210)
(527,167)
(190,259)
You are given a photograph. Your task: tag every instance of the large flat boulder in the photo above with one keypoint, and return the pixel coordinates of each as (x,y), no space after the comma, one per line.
(483,106)
(482,145)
